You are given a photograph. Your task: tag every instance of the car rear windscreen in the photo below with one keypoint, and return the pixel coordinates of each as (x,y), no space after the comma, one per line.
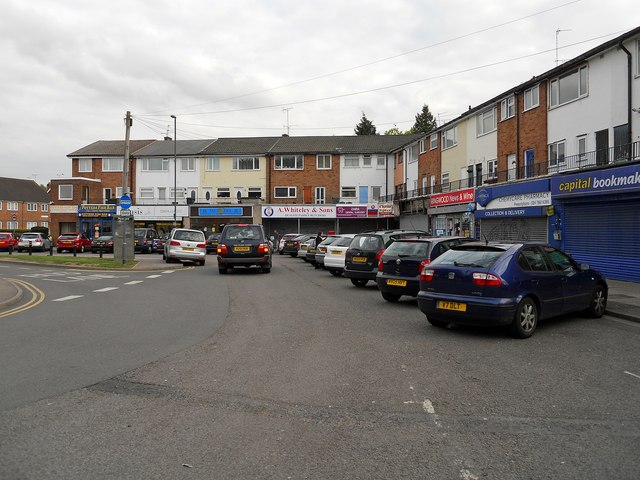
(476,256)
(408,249)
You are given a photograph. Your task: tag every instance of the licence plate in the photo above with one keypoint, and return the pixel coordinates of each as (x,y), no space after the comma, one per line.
(242,249)
(397,283)
(289,244)
(335,252)
(458,307)
(359,259)
(188,249)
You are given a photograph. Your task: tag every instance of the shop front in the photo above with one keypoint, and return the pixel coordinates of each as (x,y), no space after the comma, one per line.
(95,220)
(213,219)
(451,213)
(597,219)
(159,217)
(514,212)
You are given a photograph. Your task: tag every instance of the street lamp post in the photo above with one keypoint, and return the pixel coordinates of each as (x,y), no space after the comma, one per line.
(175,169)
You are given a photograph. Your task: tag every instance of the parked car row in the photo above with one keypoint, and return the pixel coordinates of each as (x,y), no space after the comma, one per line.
(457,280)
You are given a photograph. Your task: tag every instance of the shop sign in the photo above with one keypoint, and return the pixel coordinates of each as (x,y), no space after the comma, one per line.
(385,210)
(299,211)
(220,212)
(597,182)
(511,212)
(156,212)
(88,208)
(521,200)
(63,209)
(351,211)
(452,198)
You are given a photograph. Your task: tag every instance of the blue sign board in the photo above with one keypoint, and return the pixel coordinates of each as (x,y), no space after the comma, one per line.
(220,211)
(125,202)
(596,182)
(511,212)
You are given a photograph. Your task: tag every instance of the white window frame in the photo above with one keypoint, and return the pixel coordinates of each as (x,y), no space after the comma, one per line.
(288,162)
(319,195)
(445,184)
(84,165)
(555,86)
(151,164)
(349,192)
(251,192)
(65,192)
(104,194)
(30,225)
(492,169)
(412,153)
(213,164)
(112,164)
(180,193)
(531,98)
(366,161)
(32,207)
(376,193)
(225,191)
(557,153)
(432,183)
(239,163)
(381,161)
(292,192)
(433,141)
(44,224)
(486,122)
(146,192)
(351,161)
(508,108)
(44,207)
(323,161)
(581,147)
(422,145)
(188,164)
(449,137)
(0,204)
(12,225)
(638,57)
(12,206)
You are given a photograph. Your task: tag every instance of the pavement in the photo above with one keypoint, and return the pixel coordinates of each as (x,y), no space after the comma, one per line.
(623,301)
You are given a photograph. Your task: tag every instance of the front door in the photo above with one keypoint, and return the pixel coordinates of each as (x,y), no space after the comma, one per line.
(364,194)
(602,147)
(307,195)
(528,163)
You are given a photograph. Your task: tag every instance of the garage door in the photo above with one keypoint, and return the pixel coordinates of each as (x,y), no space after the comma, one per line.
(532,229)
(606,237)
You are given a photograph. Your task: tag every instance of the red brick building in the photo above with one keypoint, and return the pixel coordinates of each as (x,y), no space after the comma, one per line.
(23,204)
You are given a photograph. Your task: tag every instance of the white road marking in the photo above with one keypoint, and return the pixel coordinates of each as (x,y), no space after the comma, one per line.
(632,374)
(133,282)
(106,289)
(467,475)
(70,297)
(153,276)
(168,271)
(427,406)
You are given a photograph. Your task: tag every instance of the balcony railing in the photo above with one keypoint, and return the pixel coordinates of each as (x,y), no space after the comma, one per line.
(198,201)
(589,160)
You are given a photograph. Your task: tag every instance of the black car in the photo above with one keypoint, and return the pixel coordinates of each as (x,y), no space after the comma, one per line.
(243,245)
(400,265)
(143,239)
(365,250)
(321,250)
(292,246)
(103,243)
(212,243)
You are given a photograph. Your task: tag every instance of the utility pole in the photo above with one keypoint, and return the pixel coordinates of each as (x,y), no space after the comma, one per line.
(558,34)
(128,122)
(286,110)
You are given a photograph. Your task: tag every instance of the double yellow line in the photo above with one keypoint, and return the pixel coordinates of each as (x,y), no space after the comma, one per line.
(37,297)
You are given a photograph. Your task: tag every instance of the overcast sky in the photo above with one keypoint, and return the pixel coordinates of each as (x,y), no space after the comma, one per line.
(72,68)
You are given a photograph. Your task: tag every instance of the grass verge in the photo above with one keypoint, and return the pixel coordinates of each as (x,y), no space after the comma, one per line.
(73,261)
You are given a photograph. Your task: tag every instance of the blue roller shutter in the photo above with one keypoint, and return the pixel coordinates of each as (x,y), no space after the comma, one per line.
(606,236)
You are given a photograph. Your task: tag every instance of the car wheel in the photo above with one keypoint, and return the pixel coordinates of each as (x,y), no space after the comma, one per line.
(168,260)
(526,319)
(438,323)
(598,304)
(390,297)
(293,255)
(335,273)
(266,269)
(59,250)
(358,282)
(201,262)
(222,270)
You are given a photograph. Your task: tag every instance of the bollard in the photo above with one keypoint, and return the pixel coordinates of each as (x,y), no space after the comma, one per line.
(100,250)
(30,248)
(10,248)
(51,249)
(74,250)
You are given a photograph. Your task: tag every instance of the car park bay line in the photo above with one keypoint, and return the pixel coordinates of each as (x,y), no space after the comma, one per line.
(70,297)
(153,276)
(37,297)
(106,289)
(133,282)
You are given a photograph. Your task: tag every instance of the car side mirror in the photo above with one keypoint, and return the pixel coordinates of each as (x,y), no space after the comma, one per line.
(584,266)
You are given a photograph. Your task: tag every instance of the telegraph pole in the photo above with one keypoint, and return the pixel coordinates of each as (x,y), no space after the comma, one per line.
(125,164)
(286,110)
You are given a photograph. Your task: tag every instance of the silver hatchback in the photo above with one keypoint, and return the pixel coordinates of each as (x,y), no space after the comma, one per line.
(39,241)
(185,244)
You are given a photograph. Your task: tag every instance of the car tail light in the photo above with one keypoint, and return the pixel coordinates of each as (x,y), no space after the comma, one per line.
(297,244)
(423,264)
(263,248)
(175,243)
(486,280)
(379,254)
(347,255)
(381,265)
(201,245)
(427,275)
(222,249)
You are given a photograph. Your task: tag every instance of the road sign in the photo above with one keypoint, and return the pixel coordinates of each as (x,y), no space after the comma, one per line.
(125,202)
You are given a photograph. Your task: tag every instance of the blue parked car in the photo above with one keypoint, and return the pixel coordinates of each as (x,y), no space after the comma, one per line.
(514,284)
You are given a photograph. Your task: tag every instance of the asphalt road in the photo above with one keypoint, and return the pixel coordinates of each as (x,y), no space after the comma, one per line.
(297,374)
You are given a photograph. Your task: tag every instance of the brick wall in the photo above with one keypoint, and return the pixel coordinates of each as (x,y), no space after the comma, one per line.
(112,180)
(310,177)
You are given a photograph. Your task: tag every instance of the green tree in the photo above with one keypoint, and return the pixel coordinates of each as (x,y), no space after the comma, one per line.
(425,121)
(394,131)
(365,127)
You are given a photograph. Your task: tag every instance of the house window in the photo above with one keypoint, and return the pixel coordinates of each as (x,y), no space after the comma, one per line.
(146,192)
(508,108)
(246,163)
(375,193)
(32,207)
(492,169)
(85,194)
(433,141)
(348,192)
(486,122)
(12,206)
(254,192)
(84,165)
(213,164)
(582,147)
(45,207)
(0,204)
(107,192)
(351,161)
(289,162)
(285,192)
(637,57)
(449,138)
(155,164)
(12,225)
(223,192)
(323,162)
(44,224)
(412,153)
(568,87)
(445,182)
(179,192)
(30,225)
(162,193)
(381,160)
(556,153)
(531,98)
(366,160)
(432,183)
(320,195)
(112,164)
(65,192)
(422,145)
(187,164)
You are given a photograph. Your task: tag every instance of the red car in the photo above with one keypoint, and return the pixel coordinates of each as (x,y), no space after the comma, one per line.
(7,241)
(66,241)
